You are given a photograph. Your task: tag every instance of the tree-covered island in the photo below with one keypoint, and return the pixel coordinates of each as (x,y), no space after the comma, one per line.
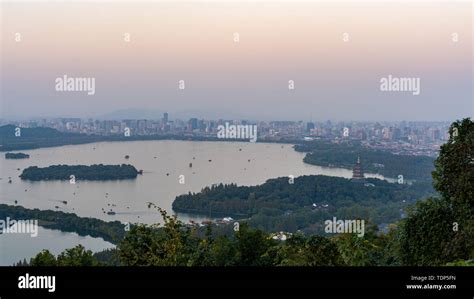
(16,156)
(96,172)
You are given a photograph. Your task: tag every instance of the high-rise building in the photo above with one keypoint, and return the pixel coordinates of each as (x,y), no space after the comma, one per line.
(165,118)
(193,124)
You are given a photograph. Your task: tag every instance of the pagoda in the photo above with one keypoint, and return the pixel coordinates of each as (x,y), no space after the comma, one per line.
(357,172)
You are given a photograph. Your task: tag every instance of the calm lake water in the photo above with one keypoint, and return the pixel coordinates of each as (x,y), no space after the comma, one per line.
(16,247)
(243,163)
(128,198)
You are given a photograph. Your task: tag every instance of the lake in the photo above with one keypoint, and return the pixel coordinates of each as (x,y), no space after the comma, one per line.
(16,247)
(162,162)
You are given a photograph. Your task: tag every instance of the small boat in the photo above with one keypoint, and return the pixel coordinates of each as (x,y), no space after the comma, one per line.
(64,202)
(210,160)
(127,156)
(16,201)
(10,181)
(167,174)
(190,164)
(110,212)
(140,171)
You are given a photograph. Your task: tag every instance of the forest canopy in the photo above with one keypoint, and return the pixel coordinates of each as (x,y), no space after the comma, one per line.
(97,172)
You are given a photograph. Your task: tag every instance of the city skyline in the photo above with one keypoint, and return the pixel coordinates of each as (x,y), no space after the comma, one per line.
(402,137)
(155,115)
(151,114)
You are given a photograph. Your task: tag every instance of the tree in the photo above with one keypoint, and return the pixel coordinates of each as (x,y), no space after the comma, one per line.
(252,246)
(223,252)
(299,250)
(136,247)
(454,170)
(153,245)
(77,256)
(440,230)
(390,246)
(427,231)
(44,258)
(22,263)
(360,251)
(454,179)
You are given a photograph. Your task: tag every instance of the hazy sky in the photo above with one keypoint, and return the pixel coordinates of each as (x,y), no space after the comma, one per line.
(278,41)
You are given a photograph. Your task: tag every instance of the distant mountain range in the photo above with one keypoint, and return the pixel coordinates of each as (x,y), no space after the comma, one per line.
(138,113)
(132,113)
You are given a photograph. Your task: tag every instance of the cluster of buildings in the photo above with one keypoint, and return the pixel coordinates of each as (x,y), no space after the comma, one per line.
(413,138)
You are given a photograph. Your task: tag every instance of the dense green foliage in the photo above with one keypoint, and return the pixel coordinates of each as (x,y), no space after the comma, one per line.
(97,172)
(177,245)
(68,222)
(107,257)
(469,263)
(454,175)
(16,156)
(31,138)
(278,205)
(429,226)
(344,155)
(308,251)
(76,256)
(440,230)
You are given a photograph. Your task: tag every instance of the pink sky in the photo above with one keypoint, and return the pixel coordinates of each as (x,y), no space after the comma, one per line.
(279,41)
